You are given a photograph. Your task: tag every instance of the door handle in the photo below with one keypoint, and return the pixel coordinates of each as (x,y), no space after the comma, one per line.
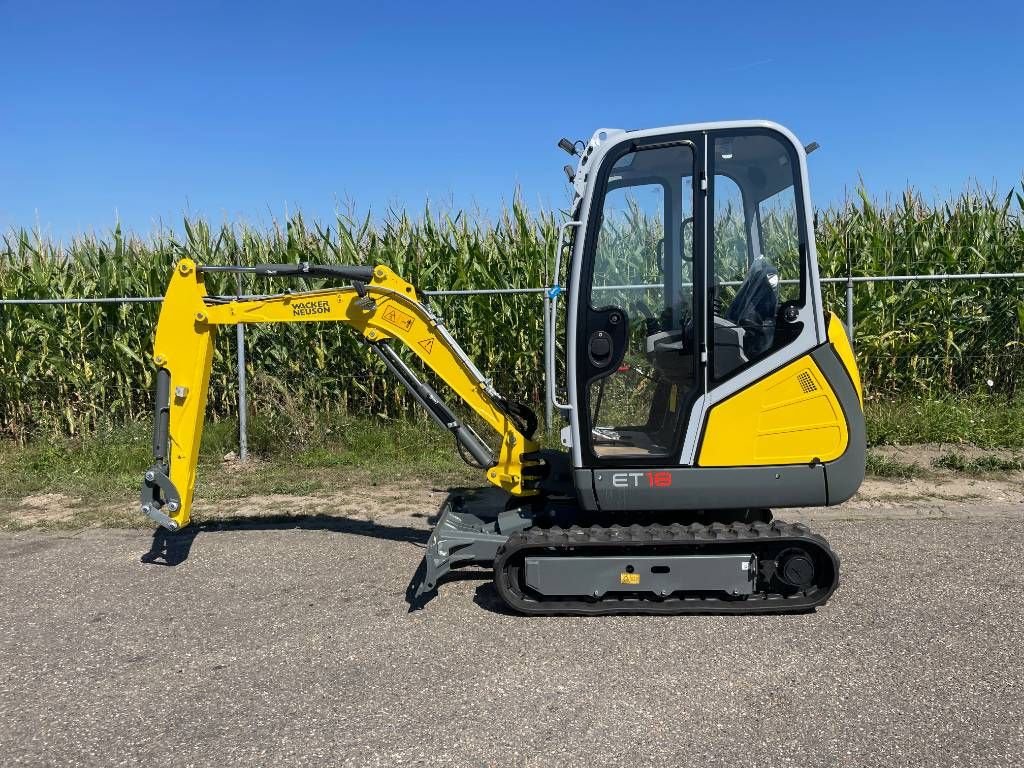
(600,349)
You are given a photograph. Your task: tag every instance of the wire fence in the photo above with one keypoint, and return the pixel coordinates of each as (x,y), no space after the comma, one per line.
(921,333)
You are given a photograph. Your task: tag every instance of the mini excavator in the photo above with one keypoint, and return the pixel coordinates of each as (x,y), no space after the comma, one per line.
(704,384)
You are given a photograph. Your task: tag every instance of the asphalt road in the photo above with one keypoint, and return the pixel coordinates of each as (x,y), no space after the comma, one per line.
(294,646)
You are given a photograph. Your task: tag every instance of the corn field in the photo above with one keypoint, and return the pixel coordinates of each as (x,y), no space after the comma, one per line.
(73,368)
(935,338)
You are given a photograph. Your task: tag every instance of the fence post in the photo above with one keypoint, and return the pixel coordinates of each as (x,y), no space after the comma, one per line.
(849,289)
(243,403)
(849,309)
(548,412)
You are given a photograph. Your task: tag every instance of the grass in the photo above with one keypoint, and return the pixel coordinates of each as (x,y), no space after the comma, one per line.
(982,465)
(985,465)
(986,421)
(886,466)
(104,470)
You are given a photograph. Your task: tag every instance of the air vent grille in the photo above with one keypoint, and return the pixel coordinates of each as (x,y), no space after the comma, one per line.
(806,382)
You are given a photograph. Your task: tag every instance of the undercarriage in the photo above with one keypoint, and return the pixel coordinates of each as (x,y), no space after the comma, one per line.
(543,564)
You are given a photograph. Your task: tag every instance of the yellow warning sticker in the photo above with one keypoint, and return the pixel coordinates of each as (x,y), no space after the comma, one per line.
(397,318)
(428,345)
(629,578)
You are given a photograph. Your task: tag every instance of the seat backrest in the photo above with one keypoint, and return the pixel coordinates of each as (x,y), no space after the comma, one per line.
(756,303)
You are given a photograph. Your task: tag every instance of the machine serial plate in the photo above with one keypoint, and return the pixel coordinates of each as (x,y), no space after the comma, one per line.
(660,575)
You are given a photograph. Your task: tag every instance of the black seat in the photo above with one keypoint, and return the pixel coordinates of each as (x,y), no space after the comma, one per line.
(755,305)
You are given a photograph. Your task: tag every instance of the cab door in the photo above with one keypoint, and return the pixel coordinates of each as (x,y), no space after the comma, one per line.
(638,356)
(764,310)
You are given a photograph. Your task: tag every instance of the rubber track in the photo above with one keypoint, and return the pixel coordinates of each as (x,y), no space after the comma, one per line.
(694,538)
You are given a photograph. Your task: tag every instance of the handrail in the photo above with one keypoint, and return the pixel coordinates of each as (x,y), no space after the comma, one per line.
(551,321)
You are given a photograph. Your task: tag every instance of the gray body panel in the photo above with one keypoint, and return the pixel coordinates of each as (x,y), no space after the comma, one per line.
(660,575)
(584,482)
(694,488)
(844,475)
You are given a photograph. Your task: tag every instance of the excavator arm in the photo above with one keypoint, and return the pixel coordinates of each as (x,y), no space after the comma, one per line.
(380,307)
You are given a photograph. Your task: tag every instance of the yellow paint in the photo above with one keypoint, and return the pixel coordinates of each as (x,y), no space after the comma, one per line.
(837,335)
(184,346)
(789,417)
(184,342)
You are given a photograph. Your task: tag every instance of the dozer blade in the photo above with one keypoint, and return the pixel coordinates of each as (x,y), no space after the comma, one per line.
(472,525)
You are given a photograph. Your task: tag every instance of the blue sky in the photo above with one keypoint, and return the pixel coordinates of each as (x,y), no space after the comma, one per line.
(244,111)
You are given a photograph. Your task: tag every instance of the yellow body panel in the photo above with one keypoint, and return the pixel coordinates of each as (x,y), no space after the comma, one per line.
(184,346)
(837,335)
(789,417)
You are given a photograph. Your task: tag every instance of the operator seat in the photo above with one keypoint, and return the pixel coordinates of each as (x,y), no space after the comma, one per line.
(741,334)
(755,305)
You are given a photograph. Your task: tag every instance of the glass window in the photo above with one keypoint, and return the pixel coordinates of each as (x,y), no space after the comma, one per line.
(757,263)
(643,266)
(731,248)
(630,244)
(780,240)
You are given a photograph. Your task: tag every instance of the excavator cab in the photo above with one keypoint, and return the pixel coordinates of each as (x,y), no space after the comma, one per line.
(702,370)
(704,384)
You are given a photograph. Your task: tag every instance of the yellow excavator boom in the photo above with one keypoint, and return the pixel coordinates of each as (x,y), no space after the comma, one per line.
(378,304)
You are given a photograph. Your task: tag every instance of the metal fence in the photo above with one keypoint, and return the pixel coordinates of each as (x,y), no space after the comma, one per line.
(927,334)
(992,322)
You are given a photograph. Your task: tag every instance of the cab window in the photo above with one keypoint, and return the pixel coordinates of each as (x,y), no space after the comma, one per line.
(757,264)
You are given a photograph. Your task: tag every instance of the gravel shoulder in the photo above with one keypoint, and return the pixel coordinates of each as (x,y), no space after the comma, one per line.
(291,644)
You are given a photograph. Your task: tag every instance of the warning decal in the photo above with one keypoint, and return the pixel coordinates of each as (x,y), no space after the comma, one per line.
(629,578)
(397,318)
(427,344)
